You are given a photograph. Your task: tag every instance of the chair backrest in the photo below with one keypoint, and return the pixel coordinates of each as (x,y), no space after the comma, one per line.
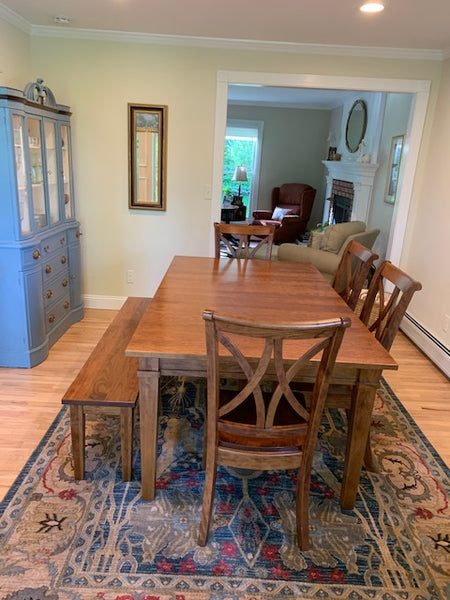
(236,239)
(256,420)
(353,271)
(383,310)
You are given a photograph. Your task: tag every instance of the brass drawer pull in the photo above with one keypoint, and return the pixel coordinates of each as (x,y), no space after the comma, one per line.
(63,260)
(65,283)
(66,304)
(48,269)
(36,254)
(49,294)
(51,318)
(78,233)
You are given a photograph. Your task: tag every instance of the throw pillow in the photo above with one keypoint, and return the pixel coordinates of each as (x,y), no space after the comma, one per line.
(316,239)
(335,235)
(279,213)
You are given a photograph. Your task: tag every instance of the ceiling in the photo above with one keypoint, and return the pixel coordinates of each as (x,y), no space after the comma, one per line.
(404,24)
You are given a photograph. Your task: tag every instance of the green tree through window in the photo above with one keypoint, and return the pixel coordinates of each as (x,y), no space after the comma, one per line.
(240,149)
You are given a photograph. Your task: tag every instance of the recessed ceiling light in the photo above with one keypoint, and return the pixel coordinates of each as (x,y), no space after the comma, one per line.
(61,20)
(372,6)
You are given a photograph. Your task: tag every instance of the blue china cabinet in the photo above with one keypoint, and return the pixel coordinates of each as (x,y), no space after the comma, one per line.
(40,287)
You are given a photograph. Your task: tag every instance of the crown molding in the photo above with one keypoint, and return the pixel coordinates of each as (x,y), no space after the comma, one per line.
(236,44)
(14,19)
(68,32)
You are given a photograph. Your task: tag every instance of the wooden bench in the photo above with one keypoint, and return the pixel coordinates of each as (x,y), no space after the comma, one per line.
(108,380)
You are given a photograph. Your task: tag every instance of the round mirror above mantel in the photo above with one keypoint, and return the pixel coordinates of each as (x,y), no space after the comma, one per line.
(356,125)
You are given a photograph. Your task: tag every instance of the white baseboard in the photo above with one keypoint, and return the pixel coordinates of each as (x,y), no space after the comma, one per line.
(436,352)
(108,302)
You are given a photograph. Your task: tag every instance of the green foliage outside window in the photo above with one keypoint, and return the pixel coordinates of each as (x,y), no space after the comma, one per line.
(238,152)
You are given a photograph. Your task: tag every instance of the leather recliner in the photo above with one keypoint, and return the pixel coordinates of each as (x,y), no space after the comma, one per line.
(295,201)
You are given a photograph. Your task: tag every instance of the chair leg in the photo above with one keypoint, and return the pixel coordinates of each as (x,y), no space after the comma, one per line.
(208,498)
(302,510)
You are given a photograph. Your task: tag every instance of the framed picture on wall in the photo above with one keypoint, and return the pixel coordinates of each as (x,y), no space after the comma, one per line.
(394,168)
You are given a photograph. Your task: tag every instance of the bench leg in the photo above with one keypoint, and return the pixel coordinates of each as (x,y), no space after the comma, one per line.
(126,441)
(77,428)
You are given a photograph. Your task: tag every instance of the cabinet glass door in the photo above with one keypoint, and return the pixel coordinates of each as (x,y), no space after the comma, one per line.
(21,174)
(52,171)
(66,171)
(37,173)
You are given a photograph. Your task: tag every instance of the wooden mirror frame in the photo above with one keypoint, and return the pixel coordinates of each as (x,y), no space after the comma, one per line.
(354,137)
(152,168)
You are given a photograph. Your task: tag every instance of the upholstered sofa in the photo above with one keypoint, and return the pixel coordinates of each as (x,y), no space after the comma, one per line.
(326,248)
(291,208)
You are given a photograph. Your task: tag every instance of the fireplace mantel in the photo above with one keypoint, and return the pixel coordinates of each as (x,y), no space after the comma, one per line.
(361,175)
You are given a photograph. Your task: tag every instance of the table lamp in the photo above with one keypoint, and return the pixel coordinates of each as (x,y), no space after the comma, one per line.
(240,174)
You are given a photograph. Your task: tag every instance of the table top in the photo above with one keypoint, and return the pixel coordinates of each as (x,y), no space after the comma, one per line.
(270,291)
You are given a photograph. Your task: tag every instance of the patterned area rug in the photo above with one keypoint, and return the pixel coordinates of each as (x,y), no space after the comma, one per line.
(96,540)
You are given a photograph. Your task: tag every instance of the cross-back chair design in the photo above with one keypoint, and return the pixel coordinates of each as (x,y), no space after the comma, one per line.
(236,239)
(384,309)
(251,428)
(353,271)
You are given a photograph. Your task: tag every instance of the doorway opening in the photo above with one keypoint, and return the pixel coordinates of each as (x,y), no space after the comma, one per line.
(419,89)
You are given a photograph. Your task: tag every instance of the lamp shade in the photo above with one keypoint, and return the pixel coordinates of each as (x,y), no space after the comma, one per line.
(240,174)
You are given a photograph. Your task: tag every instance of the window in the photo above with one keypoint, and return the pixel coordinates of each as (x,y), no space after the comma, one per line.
(242,148)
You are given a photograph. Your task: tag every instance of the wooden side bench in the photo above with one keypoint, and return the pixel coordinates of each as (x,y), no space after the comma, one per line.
(107,380)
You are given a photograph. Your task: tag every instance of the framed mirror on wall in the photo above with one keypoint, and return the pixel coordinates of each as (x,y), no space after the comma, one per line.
(395,159)
(355,129)
(147,151)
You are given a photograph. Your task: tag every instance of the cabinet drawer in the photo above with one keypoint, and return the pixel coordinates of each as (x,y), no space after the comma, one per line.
(32,256)
(53,243)
(56,288)
(55,313)
(73,235)
(54,264)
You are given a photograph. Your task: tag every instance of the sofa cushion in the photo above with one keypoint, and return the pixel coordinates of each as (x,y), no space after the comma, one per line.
(335,235)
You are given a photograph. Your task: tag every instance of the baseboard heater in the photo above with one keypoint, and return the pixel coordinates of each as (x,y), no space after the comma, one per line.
(431,346)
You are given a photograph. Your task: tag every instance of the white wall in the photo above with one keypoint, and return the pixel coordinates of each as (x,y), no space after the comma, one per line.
(396,117)
(97,79)
(15,60)
(426,252)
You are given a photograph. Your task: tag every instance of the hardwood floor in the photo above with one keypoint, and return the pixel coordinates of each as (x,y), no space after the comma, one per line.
(31,398)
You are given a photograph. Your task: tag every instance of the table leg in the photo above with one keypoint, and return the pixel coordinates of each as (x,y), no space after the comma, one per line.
(148,406)
(359,421)
(77,427)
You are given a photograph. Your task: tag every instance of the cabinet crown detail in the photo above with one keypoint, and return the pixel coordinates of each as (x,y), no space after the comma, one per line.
(38,92)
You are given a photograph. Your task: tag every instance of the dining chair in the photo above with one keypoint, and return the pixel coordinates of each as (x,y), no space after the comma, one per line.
(254,428)
(353,271)
(383,308)
(237,239)
(388,297)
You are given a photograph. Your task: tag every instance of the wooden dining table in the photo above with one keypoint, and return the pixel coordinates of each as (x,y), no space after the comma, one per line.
(170,340)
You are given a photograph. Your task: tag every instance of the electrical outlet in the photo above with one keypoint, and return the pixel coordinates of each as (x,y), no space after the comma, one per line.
(130,276)
(445,322)
(208,192)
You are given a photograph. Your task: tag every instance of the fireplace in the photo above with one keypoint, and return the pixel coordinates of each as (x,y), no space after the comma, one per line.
(348,181)
(340,210)
(341,201)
